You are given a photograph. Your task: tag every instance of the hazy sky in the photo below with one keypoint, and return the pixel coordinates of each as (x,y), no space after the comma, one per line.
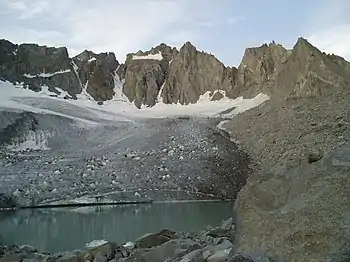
(222,27)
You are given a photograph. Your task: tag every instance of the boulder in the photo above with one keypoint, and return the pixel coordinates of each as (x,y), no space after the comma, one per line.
(194,256)
(313,157)
(154,239)
(219,256)
(7,201)
(108,250)
(100,257)
(68,257)
(170,249)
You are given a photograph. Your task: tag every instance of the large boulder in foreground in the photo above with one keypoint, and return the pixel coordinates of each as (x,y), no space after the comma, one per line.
(299,214)
(154,239)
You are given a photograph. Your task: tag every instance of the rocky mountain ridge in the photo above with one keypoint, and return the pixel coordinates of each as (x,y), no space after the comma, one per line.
(173,76)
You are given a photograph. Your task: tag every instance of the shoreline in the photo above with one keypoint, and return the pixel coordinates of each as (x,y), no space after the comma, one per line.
(210,244)
(114,204)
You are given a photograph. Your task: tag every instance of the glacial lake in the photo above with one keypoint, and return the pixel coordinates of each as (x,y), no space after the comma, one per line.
(57,230)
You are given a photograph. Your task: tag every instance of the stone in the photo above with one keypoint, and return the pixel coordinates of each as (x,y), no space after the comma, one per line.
(108,249)
(313,157)
(154,239)
(228,224)
(12,258)
(218,232)
(68,257)
(219,256)
(7,201)
(224,245)
(240,258)
(258,256)
(194,256)
(88,257)
(27,249)
(100,257)
(169,250)
(33,65)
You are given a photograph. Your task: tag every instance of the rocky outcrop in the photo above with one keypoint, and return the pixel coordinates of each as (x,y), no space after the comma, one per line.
(97,74)
(174,76)
(145,74)
(308,72)
(193,73)
(294,205)
(35,66)
(259,66)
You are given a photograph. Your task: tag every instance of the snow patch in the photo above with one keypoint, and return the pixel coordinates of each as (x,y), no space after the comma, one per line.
(47,74)
(157,56)
(84,95)
(92,59)
(118,88)
(62,94)
(96,243)
(129,245)
(120,109)
(12,95)
(159,96)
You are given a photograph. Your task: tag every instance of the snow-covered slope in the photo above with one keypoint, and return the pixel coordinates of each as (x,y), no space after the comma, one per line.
(16,97)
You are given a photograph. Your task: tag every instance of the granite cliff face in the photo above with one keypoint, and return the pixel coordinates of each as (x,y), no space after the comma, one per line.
(145,74)
(35,66)
(174,76)
(97,74)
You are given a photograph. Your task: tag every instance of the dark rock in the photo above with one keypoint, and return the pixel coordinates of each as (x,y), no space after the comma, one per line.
(27,249)
(240,258)
(100,257)
(313,157)
(193,73)
(69,257)
(217,96)
(7,202)
(97,73)
(108,250)
(194,256)
(218,232)
(169,250)
(254,257)
(154,239)
(33,65)
(12,258)
(219,256)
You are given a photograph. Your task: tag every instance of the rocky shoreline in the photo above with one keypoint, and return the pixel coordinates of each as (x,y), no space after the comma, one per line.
(214,244)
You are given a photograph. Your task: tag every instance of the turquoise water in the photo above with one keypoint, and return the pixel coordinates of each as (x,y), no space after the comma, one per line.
(56,230)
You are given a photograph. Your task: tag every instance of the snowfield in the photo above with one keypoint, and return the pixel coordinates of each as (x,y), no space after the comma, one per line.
(120,107)
(157,56)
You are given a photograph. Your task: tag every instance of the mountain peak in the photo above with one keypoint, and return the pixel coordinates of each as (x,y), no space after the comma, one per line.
(85,55)
(174,76)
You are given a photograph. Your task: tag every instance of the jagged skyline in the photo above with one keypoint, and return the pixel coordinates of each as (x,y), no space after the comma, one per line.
(224,29)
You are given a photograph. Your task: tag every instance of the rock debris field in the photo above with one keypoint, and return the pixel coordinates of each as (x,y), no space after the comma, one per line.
(183,158)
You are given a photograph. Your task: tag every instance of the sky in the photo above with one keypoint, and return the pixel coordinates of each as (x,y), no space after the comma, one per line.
(223,27)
